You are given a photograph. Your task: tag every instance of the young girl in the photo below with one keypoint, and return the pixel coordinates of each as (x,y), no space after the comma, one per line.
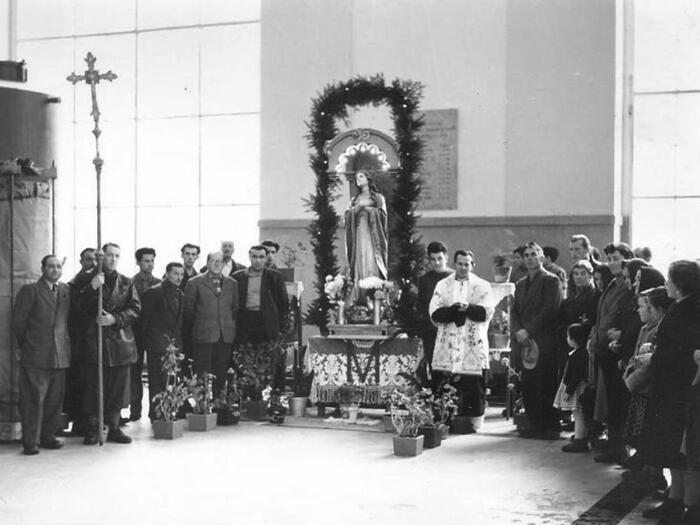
(573,384)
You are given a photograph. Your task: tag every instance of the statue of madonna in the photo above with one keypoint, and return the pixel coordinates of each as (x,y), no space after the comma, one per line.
(366,233)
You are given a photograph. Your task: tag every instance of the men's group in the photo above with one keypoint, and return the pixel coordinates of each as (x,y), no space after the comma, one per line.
(203,312)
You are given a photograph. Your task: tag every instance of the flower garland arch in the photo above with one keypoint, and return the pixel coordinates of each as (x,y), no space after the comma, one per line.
(405,250)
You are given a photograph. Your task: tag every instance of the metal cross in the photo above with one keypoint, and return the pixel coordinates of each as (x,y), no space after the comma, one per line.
(92,77)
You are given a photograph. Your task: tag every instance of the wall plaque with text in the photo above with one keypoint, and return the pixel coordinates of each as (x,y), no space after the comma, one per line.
(439,167)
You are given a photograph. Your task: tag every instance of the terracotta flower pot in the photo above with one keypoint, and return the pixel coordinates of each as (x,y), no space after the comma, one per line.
(501,340)
(444,431)
(168,429)
(408,446)
(432,436)
(201,422)
(297,406)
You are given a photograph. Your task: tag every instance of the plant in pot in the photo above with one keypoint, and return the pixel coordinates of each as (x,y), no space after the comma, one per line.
(228,403)
(443,405)
(277,405)
(168,403)
(255,368)
(408,414)
(501,267)
(302,391)
(201,399)
(499,329)
(348,397)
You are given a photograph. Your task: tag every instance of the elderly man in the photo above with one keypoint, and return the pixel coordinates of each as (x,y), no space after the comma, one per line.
(229,265)
(120,308)
(143,280)
(40,322)
(161,324)
(211,306)
(461,308)
(534,320)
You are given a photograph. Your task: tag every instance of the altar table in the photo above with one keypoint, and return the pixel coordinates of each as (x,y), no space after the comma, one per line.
(374,365)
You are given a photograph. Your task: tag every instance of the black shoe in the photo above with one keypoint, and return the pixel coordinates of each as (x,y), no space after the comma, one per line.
(123,421)
(32,450)
(52,444)
(115,435)
(91,437)
(577,445)
(669,509)
(135,416)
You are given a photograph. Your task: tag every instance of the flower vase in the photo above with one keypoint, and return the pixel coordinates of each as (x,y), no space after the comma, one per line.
(341,312)
(377,313)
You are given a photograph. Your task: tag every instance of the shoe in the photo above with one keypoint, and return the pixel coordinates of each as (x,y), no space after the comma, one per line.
(115,435)
(577,445)
(669,509)
(91,437)
(123,421)
(134,417)
(53,444)
(32,450)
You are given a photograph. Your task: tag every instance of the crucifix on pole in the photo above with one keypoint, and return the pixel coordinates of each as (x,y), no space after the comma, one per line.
(92,77)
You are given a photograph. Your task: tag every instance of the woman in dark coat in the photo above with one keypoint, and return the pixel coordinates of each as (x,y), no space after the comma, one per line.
(581,307)
(673,370)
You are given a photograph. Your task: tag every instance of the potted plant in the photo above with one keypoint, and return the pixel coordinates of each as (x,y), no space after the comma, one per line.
(201,399)
(276,405)
(290,258)
(348,397)
(408,413)
(443,406)
(429,428)
(499,329)
(501,267)
(255,367)
(337,290)
(169,402)
(228,403)
(302,391)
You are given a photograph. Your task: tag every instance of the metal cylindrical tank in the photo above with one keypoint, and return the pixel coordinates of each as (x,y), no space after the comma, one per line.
(27,211)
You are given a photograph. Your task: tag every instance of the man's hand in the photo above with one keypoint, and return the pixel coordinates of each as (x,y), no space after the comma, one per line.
(106,319)
(521,335)
(97,281)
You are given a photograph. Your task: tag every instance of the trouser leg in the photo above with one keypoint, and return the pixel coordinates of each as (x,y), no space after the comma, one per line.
(32,392)
(220,362)
(53,403)
(136,382)
(472,393)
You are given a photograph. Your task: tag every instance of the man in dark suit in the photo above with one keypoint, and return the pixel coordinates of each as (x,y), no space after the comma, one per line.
(211,304)
(190,254)
(263,300)
(40,322)
(534,318)
(143,280)
(161,323)
(73,401)
(264,305)
(120,308)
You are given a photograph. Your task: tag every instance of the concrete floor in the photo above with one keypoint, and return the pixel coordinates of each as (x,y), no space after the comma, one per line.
(255,473)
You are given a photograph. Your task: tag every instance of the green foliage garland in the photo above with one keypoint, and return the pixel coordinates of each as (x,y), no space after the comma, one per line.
(405,251)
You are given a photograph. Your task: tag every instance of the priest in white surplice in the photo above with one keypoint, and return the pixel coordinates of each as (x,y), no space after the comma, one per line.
(461,307)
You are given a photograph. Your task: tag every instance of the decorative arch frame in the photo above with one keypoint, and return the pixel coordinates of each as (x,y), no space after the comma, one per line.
(405,250)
